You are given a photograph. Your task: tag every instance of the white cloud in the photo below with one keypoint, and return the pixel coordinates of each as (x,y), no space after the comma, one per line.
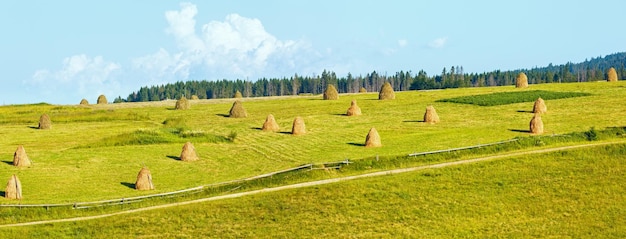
(438,43)
(402,42)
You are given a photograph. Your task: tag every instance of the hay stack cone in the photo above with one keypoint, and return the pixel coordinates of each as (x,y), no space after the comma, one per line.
(521,81)
(362,90)
(20,159)
(237,111)
(536,125)
(354,109)
(188,153)
(238,95)
(194,97)
(102,100)
(386,92)
(540,106)
(270,124)
(611,75)
(182,104)
(45,122)
(331,93)
(84,102)
(431,115)
(298,127)
(14,188)
(372,139)
(144,180)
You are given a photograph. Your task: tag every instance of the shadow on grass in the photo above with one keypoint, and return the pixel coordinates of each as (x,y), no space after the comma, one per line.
(223,115)
(173,157)
(344,114)
(33,127)
(285,132)
(170,108)
(129,185)
(8,162)
(357,144)
(520,130)
(413,121)
(257,128)
(524,111)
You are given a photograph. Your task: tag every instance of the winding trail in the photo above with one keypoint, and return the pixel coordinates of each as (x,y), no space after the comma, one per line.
(313,183)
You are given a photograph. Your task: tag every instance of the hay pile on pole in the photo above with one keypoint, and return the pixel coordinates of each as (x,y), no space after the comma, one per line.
(189,153)
(144,180)
(540,106)
(194,97)
(238,95)
(102,100)
(20,159)
(298,127)
(270,124)
(521,81)
(45,122)
(372,139)
(331,93)
(354,109)
(611,75)
(362,90)
(536,125)
(237,110)
(13,189)
(431,115)
(182,104)
(84,102)
(386,92)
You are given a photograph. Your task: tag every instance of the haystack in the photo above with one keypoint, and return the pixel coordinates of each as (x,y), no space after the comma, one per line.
(237,111)
(362,90)
(194,97)
(102,99)
(14,188)
(270,124)
(144,180)
(188,153)
(611,75)
(386,92)
(431,115)
(521,81)
(238,95)
(45,122)
(331,93)
(540,106)
(20,159)
(372,139)
(298,127)
(536,125)
(182,104)
(354,109)
(84,102)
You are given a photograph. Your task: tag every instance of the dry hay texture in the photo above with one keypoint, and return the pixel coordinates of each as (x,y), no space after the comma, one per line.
(188,153)
(611,75)
(270,124)
(331,93)
(238,95)
(194,97)
(386,92)
(45,122)
(431,115)
(521,81)
(13,189)
(372,139)
(20,159)
(540,106)
(144,180)
(536,125)
(298,127)
(182,104)
(354,109)
(362,90)
(237,111)
(84,102)
(102,100)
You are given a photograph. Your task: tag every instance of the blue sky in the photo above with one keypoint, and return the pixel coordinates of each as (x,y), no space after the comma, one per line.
(62,51)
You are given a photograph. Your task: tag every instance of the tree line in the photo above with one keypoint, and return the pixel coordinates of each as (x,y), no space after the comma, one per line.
(453,77)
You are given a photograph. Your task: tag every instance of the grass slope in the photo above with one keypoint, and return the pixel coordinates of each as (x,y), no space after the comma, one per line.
(505,98)
(569,194)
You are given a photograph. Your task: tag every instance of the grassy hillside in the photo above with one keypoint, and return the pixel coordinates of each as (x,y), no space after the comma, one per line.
(94,152)
(569,194)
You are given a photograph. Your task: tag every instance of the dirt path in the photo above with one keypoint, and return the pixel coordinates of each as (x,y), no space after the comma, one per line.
(308,184)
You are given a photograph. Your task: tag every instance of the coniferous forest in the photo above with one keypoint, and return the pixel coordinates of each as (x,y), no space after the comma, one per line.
(454,77)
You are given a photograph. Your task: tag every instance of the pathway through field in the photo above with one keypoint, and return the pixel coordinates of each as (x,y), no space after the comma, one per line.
(308,184)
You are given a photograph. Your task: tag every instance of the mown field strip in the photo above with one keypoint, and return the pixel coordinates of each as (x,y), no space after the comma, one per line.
(314,183)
